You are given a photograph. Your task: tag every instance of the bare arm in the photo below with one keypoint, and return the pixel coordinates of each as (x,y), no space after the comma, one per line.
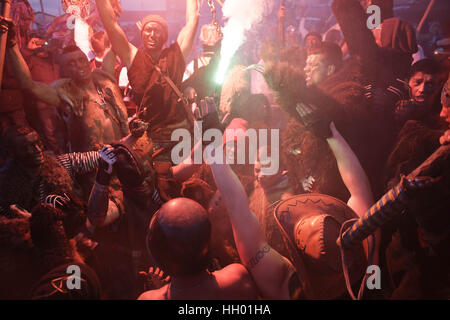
(22,73)
(187,34)
(353,175)
(270,271)
(119,42)
(357,183)
(101,211)
(109,62)
(183,171)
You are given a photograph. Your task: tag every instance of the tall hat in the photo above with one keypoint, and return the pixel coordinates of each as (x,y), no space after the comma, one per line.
(310,224)
(179,236)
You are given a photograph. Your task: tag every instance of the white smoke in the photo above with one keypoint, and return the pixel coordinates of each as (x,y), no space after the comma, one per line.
(242,15)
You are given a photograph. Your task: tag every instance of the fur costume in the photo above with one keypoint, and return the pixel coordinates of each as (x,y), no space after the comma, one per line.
(19,188)
(418,264)
(366,124)
(341,96)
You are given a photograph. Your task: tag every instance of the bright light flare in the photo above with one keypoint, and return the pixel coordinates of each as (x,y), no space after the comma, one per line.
(241,15)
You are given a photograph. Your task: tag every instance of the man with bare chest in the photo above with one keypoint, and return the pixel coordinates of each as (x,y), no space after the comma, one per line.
(91,105)
(90,102)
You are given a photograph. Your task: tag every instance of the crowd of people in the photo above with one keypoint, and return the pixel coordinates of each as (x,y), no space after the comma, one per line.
(88,179)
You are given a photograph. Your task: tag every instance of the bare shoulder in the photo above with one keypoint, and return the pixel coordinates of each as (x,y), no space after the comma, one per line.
(236,278)
(237,269)
(158,294)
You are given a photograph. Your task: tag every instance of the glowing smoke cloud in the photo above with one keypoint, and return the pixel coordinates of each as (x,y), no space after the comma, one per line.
(241,15)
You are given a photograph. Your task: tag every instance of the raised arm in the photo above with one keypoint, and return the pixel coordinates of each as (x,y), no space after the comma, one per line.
(351,171)
(183,171)
(109,62)
(119,42)
(40,90)
(22,73)
(187,34)
(355,179)
(271,272)
(353,175)
(352,20)
(101,210)
(357,183)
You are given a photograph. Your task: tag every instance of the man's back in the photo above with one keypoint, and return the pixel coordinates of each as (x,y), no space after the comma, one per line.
(230,283)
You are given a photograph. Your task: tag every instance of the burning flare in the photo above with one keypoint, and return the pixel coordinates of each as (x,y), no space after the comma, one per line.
(242,15)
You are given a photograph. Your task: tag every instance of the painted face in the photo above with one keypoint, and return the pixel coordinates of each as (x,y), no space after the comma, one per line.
(77,66)
(152,36)
(28,150)
(421,87)
(316,69)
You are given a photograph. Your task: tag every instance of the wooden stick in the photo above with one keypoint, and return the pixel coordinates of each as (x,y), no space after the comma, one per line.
(425,16)
(5,13)
(438,164)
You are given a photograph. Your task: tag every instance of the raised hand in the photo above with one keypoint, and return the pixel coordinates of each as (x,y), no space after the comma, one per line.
(7,26)
(105,164)
(314,120)
(154,278)
(208,114)
(107,155)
